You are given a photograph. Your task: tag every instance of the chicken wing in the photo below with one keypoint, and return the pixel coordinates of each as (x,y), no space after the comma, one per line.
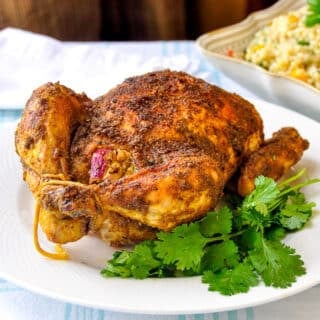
(275,157)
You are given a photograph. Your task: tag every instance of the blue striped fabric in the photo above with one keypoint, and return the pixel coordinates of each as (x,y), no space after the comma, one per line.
(20,299)
(9,115)
(66,311)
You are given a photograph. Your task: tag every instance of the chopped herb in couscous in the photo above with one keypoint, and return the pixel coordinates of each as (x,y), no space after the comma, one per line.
(286,46)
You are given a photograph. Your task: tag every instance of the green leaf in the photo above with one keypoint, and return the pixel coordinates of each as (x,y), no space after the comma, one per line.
(314,5)
(255,207)
(231,281)
(265,193)
(249,240)
(254,218)
(275,233)
(216,222)
(183,247)
(312,20)
(221,255)
(313,16)
(117,267)
(140,263)
(296,212)
(277,264)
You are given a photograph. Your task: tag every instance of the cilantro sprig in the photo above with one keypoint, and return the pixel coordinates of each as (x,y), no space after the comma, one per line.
(313,16)
(232,248)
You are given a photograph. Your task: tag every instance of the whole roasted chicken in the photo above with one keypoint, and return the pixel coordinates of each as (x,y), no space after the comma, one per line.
(154,152)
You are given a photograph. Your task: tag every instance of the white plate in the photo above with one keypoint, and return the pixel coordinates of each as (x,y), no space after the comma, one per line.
(283,90)
(79,281)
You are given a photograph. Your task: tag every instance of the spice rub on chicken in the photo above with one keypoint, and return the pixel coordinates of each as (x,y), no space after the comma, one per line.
(152,153)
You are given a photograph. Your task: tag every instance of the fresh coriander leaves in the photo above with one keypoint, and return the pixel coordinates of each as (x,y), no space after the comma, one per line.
(296,212)
(140,263)
(217,222)
(221,255)
(255,209)
(262,196)
(277,264)
(182,247)
(232,248)
(231,281)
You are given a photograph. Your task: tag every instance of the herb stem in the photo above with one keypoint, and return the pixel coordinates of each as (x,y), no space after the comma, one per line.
(226,237)
(299,186)
(292,188)
(293,178)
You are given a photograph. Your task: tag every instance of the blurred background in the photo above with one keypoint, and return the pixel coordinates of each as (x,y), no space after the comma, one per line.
(91,20)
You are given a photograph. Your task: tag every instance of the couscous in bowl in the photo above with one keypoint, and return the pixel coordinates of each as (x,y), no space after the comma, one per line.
(225,48)
(287,46)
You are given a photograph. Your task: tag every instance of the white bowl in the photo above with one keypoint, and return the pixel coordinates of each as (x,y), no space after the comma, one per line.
(283,90)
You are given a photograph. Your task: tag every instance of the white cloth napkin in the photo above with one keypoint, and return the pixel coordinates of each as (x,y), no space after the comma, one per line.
(28,60)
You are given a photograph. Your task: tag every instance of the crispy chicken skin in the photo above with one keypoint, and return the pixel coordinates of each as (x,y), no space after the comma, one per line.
(152,153)
(43,135)
(274,158)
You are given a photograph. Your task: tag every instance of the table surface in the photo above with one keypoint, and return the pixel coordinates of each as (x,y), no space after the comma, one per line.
(19,303)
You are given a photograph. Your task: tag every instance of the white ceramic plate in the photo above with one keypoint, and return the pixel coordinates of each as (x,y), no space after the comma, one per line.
(283,90)
(78,280)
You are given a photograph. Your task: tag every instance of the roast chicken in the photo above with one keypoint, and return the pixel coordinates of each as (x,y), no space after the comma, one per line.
(156,151)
